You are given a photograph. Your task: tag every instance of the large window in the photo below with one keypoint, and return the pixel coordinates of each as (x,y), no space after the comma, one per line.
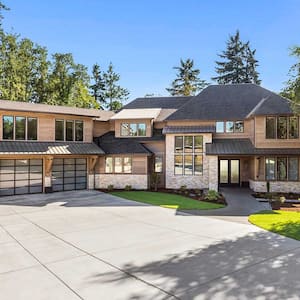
(133,129)
(19,128)
(118,164)
(158,164)
(69,130)
(282,168)
(188,158)
(8,127)
(59,130)
(282,127)
(229,126)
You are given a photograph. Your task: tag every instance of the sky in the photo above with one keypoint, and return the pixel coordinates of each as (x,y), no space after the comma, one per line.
(146,39)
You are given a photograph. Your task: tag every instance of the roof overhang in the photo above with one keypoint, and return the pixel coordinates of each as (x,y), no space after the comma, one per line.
(189,129)
(135,114)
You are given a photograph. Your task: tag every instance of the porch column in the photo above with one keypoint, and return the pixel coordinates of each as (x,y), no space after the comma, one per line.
(213,172)
(92,160)
(48,173)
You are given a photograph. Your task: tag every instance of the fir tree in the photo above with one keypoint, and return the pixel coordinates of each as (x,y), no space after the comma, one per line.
(98,88)
(187,82)
(238,64)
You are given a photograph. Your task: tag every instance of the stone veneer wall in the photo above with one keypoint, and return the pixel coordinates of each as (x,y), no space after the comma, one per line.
(209,178)
(119,181)
(275,186)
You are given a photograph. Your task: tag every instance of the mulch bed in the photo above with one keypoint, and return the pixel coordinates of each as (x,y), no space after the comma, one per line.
(187,193)
(286,206)
(286,195)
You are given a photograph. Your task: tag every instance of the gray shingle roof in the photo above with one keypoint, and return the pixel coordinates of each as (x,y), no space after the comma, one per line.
(158,102)
(188,129)
(24,147)
(232,101)
(112,145)
(244,147)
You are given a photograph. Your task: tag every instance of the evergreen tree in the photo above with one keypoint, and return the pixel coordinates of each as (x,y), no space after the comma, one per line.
(238,63)
(114,94)
(98,88)
(187,82)
(2,8)
(292,88)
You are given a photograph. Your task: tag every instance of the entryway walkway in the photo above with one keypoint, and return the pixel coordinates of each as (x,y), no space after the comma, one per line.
(240,202)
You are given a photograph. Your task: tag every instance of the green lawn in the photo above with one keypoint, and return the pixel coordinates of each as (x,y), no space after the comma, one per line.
(166,200)
(282,222)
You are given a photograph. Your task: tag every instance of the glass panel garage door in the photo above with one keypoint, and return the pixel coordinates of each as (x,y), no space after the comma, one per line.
(69,174)
(21,176)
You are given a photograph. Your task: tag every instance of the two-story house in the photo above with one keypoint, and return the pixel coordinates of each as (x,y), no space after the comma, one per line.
(240,134)
(227,135)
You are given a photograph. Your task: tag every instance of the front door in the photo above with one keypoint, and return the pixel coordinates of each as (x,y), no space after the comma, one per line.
(229,172)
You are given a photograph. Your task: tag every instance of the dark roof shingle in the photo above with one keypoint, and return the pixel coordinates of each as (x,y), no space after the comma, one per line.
(188,129)
(232,101)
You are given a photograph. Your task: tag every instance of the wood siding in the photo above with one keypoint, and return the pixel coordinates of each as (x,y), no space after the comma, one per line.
(146,121)
(100,128)
(262,142)
(46,124)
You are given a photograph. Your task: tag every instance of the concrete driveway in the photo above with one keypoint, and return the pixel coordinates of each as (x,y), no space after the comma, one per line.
(89,245)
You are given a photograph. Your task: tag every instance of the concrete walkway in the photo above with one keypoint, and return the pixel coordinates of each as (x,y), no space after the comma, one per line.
(90,245)
(240,202)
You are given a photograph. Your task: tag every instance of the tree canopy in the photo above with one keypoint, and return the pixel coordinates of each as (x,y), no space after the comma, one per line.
(238,63)
(187,82)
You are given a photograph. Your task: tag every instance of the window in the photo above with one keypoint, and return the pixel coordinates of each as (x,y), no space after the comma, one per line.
(281,168)
(32,129)
(69,130)
(293,128)
(229,126)
(293,168)
(219,126)
(59,130)
(79,131)
(188,157)
(270,168)
(20,128)
(271,128)
(282,127)
(127,164)
(118,165)
(108,165)
(158,164)
(8,127)
(133,129)
(238,126)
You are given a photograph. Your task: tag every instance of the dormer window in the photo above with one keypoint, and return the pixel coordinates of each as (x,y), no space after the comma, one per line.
(133,129)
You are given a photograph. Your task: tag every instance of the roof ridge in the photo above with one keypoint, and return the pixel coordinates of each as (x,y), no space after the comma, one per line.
(257,106)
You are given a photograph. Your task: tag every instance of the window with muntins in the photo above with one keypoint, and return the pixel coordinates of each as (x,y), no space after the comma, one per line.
(118,164)
(133,129)
(188,158)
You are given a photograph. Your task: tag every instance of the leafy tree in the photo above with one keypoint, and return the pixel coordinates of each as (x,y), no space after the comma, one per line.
(187,82)
(98,88)
(238,63)
(2,8)
(114,94)
(292,88)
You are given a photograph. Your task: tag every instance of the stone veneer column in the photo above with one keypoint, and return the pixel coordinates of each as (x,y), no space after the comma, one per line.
(213,172)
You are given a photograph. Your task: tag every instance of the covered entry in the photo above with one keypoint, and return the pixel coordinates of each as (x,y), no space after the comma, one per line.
(21,176)
(69,174)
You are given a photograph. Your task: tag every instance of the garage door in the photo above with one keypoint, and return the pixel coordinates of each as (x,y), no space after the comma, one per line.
(21,176)
(69,174)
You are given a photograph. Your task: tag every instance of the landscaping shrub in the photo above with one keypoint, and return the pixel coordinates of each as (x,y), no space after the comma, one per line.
(182,189)
(212,195)
(110,187)
(154,180)
(128,188)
